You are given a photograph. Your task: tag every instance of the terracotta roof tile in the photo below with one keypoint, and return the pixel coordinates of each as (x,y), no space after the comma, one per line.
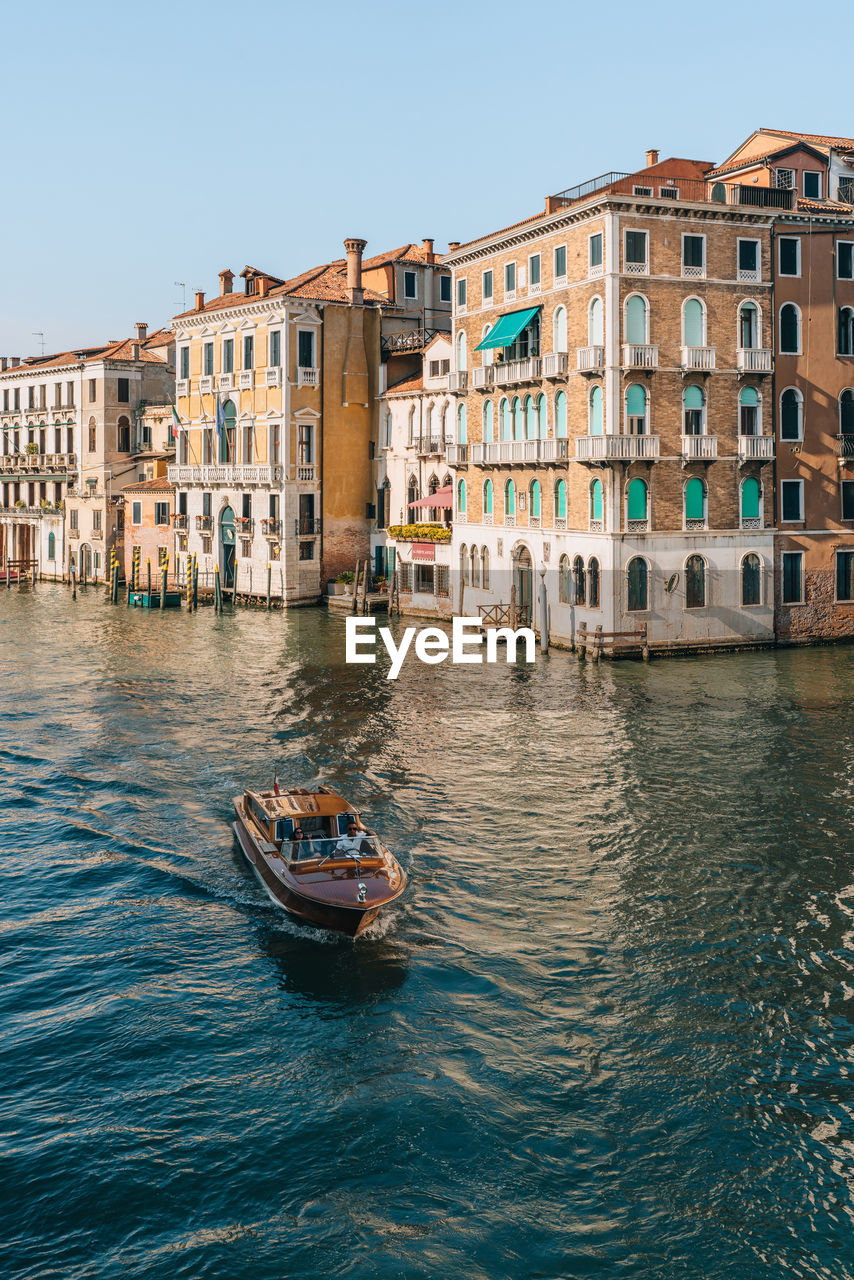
(413,253)
(325,283)
(822,139)
(121,350)
(160,484)
(413,383)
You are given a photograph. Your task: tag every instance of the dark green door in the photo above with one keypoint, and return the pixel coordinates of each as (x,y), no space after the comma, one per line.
(226,533)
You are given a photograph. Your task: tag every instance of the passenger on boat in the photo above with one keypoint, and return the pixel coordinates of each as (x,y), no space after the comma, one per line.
(302,845)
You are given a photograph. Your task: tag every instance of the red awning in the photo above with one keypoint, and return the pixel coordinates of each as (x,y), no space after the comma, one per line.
(441,498)
(423,551)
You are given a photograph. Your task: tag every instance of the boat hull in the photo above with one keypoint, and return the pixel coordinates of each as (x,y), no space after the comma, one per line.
(350,921)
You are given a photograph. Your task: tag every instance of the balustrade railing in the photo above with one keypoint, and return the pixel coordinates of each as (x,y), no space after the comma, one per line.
(698,448)
(589,359)
(615,448)
(755,448)
(698,358)
(753,360)
(640,355)
(225,473)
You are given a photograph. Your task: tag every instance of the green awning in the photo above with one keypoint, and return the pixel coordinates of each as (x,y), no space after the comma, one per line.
(506,330)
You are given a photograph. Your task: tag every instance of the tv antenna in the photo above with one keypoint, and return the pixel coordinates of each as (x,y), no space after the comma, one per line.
(180,284)
(38,333)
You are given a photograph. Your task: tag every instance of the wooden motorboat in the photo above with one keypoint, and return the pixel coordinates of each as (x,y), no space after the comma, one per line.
(315,858)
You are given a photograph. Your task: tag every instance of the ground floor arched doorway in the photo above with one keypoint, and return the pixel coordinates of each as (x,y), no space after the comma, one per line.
(523,580)
(84,562)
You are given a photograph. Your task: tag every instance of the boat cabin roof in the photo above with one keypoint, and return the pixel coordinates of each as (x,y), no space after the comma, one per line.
(299,802)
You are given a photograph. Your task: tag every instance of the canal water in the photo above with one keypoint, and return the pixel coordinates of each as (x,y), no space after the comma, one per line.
(606,1033)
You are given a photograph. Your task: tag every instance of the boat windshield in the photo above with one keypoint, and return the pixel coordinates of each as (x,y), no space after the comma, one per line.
(361,846)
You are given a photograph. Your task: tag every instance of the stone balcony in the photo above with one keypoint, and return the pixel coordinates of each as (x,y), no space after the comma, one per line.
(51,464)
(753,360)
(497,453)
(226,474)
(699,448)
(640,355)
(515,371)
(613,448)
(590,359)
(699,359)
(755,448)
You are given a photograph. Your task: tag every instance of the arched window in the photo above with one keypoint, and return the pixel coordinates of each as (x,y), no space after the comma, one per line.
(846,412)
(791,414)
(596,503)
(51,546)
(636,410)
(560,415)
(595,413)
(595,323)
(123,434)
(506,422)
(464,565)
(560,500)
(488,355)
(543,417)
(560,329)
(462,434)
(536,500)
(413,426)
(446,424)
(693,323)
(751,580)
(593,583)
(790,329)
(412,494)
(388,430)
(227,438)
(510,498)
(579,587)
(531,423)
(637,577)
(461,351)
(484,568)
(750,502)
(845,331)
(518,419)
(694,411)
(564,581)
(695,582)
(475,567)
(487,498)
(719,193)
(748,412)
(461,497)
(748,326)
(637,316)
(637,500)
(695,503)
(487,422)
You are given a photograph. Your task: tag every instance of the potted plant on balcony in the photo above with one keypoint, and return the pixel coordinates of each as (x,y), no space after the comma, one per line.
(341,584)
(32,449)
(20,503)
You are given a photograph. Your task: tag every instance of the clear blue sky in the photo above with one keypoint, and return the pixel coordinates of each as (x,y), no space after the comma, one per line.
(155,142)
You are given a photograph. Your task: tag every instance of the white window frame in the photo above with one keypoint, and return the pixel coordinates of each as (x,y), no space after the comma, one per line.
(800,348)
(461,287)
(761,601)
(270,335)
(300,330)
(790,184)
(185,354)
(410,297)
(797,274)
(641,191)
(800,398)
(134,507)
(637,268)
(560,280)
(487,301)
(813,173)
(746,274)
(594,272)
(693,273)
(532,287)
(836,254)
(793,604)
(510,294)
(799,519)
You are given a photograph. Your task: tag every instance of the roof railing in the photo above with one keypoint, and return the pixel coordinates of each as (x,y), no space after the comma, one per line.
(661,186)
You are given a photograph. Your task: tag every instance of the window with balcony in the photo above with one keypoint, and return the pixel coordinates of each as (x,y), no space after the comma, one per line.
(560,415)
(228,355)
(636,254)
(184,362)
(227,439)
(846,412)
(789,255)
(534,273)
(486,287)
(791,414)
(462,356)
(594,254)
(530,418)
(751,580)
(637,504)
(208,359)
(812,184)
(637,320)
(543,416)
(748,260)
(444,288)
(636,410)
(97,520)
(560,263)
(246,444)
(693,323)
(748,326)
(208,452)
(559,329)
(748,412)
(461,293)
(845,259)
(695,583)
(792,568)
(637,581)
(505,419)
(305,444)
(596,323)
(305,348)
(487,422)
(487,498)
(790,329)
(845,331)
(847,497)
(462,432)
(694,256)
(410,284)
(792,500)
(595,412)
(248,351)
(693,411)
(560,501)
(518,419)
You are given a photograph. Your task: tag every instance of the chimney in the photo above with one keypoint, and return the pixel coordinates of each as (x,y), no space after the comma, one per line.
(16,360)
(200,299)
(226,280)
(651,158)
(4,363)
(263,286)
(141,331)
(427,246)
(355,248)
(453,245)
(134,351)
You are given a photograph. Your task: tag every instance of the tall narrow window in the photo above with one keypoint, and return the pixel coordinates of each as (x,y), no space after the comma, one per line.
(845,331)
(750,494)
(410,284)
(248,352)
(536,500)
(275,357)
(748,259)
(208,359)
(560,415)
(560,329)
(596,323)
(185,362)
(694,256)
(593,583)
(845,575)
(461,497)
(461,294)
(484,568)
(518,419)
(510,498)
(510,278)
(595,417)
(564,581)
(506,421)
(695,503)
(531,425)
(845,259)
(846,414)
(751,580)
(792,500)
(693,323)
(542,416)
(462,358)
(695,582)
(462,431)
(636,319)
(123,390)
(636,410)
(790,329)
(534,268)
(793,577)
(579,584)
(228,355)
(790,414)
(748,326)
(638,585)
(636,261)
(487,287)
(748,412)
(594,259)
(305,348)
(560,262)
(487,421)
(227,436)
(694,411)
(560,500)
(487,498)
(636,509)
(789,251)
(596,505)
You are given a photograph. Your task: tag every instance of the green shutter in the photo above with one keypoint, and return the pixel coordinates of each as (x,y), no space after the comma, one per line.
(748,397)
(694,499)
(536,505)
(530,419)
(510,499)
(693,398)
(596,411)
(487,422)
(636,401)
(543,417)
(693,323)
(636,320)
(750,499)
(560,415)
(560,500)
(637,500)
(596,499)
(487,498)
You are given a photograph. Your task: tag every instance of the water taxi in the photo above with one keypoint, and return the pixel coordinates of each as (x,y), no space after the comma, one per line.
(315,857)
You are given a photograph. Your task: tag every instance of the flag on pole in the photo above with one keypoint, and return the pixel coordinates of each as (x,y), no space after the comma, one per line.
(275,781)
(176,423)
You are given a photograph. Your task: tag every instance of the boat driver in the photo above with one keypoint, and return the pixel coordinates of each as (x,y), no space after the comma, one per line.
(353,843)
